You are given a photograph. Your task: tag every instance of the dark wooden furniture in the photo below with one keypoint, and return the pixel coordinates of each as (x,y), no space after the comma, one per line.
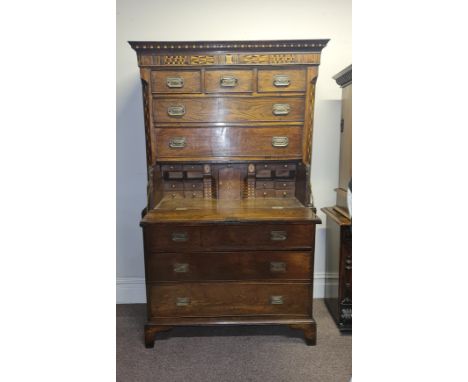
(229,228)
(338,296)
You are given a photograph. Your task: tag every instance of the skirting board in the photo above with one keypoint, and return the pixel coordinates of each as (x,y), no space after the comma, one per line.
(131,290)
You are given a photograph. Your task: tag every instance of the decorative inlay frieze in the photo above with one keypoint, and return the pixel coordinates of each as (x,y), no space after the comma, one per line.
(254,59)
(202,60)
(150,59)
(175,60)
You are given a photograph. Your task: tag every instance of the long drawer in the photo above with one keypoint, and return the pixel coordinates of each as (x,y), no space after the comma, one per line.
(225,109)
(203,142)
(267,265)
(229,299)
(226,237)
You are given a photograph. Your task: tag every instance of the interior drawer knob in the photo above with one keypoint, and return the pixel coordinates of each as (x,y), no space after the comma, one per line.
(278,235)
(175,82)
(276,300)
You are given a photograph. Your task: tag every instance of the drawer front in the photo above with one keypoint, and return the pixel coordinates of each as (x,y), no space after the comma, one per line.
(193,185)
(171,167)
(187,81)
(284,193)
(193,194)
(231,299)
(261,236)
(173,186)
(265,184)
(239,109)
(285,170)
(202,142)
(282,80)
(228,266)
(265,193)
(171,238)
(228,237)
(284,185)
(228,81)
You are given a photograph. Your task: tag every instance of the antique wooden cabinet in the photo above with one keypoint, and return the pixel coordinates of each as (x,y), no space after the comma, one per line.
(338,296)
(229,228)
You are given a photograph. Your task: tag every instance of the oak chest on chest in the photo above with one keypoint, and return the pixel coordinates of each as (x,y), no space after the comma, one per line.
(229,228)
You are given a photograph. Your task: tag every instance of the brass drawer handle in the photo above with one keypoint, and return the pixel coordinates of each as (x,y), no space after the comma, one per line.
(276,300)
(278,235)
(176,110)
(277,266)
(175,82)
(281,81)
(281,109)
(228,82)
(177,142)
(179,236)
(182,301)
(181,267)
(280,141)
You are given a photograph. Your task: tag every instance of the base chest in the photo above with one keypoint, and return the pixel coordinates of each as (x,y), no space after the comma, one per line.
(229,270)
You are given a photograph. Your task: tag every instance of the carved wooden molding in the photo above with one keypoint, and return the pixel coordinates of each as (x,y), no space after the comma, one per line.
(178,53)
(268,45)
(344,77)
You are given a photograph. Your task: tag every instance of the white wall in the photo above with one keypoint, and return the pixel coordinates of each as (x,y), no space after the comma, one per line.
(221,20)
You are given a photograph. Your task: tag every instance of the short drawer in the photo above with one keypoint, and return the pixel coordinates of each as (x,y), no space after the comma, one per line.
(223,109)
(284,185)
(174,194)
(264,170)
(267,193)
(171,238)
(193,167)
(175,185)
(193,185)
(286,170)
(229,299)
(169,81)
(228,266)
(264,184)
(171,167)
(193,194)
(284,193)
(262,142)
(290,80)
(228,81)
(260,236)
